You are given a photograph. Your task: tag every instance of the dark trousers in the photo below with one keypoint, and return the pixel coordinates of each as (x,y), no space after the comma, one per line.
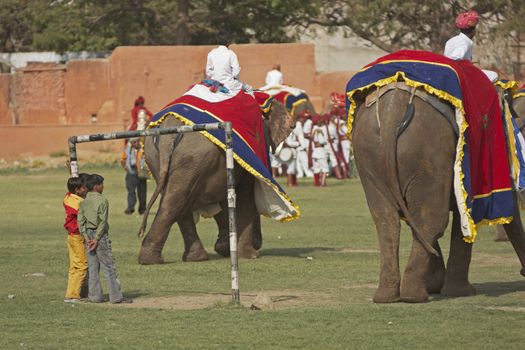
(136,188)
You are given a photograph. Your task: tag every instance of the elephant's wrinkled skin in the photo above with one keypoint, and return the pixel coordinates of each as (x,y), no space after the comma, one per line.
(193,177)
(414,171)
(519,107)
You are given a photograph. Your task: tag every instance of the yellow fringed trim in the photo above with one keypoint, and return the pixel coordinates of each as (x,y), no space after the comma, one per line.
(296,104)
(498,221)
(519,94)
(511,84)
(239,160)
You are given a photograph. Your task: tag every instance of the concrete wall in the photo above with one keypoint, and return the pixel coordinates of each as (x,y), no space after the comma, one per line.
(88,91)
(37,140)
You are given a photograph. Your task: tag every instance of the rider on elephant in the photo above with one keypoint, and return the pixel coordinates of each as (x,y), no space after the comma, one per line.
(460,46)
(223,66)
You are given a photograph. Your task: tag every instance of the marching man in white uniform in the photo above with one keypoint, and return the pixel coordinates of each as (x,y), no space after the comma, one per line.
(318,141)
(460,46)
(303,170)
(290,145)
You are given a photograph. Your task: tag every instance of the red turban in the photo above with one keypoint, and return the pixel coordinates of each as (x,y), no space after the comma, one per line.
(467,19)
(139,100)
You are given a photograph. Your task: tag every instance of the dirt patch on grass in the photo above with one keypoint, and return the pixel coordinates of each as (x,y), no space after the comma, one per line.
(357,251)
(280,299)
(507,308)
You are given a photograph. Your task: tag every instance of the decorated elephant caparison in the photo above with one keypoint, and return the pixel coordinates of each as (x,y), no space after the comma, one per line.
(411,177)
(192,177)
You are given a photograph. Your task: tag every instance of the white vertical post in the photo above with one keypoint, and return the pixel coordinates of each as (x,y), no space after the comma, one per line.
(230,182)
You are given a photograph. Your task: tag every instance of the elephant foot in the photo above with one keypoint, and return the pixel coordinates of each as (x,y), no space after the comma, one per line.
(195,255)
(247,253)
(257,241)
(500,235)
(434,281)
(385,295)
(222,247)
(414,292)
(457,289)
(150,257)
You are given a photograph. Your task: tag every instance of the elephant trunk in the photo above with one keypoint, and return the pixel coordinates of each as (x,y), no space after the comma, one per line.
(390,140)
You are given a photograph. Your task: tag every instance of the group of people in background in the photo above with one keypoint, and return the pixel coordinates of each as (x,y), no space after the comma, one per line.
(317,148)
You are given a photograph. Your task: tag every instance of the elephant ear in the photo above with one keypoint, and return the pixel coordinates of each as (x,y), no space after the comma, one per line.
(279,125)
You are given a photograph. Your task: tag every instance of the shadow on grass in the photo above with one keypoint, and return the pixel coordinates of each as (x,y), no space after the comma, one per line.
(133,294)
(490,289)
(496,289)
(295,252)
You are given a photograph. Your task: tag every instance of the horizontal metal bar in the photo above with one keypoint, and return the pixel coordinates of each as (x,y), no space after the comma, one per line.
(148,132)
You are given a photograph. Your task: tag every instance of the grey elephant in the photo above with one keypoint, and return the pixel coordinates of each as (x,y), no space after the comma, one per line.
(190,173)
(519,108)
(411,177)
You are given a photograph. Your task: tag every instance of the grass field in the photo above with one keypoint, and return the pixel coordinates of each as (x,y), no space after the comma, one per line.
(320,271)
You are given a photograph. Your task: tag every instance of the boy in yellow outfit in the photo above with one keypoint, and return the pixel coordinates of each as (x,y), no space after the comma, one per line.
(78,265)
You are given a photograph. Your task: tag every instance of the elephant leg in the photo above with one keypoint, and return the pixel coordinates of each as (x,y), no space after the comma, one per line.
(423,271)
(257,232)
(193,248)
(247,218)
(222,245)
(151,249)
(516,234)
(436,272)
(386,219)
(456,278)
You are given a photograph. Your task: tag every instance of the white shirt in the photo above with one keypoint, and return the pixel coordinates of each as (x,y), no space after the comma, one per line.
(222,65)
(274,77)
(459,47)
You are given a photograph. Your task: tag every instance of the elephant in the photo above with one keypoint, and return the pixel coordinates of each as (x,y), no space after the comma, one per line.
(519,108)
(192,177)
(410,177)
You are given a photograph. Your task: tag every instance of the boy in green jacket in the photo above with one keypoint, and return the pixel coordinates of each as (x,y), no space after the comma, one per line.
(93,225)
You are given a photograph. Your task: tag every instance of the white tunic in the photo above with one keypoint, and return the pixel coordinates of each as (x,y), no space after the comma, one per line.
(274,77)
(222,65)
(459,47)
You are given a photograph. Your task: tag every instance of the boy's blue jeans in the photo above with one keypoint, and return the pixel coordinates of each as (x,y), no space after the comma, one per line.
(103,256)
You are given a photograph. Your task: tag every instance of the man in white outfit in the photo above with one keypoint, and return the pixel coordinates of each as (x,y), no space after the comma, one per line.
(460,46)
(274,77)
(223,66)
(303,169)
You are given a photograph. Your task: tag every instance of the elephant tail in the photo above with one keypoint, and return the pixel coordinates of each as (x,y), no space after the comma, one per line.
(162,180)
(391,166)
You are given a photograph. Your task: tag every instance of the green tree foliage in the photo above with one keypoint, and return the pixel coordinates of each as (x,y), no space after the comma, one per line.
(418,24)
(99,25)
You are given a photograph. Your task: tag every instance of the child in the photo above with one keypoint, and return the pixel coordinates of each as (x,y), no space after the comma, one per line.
(93,225)
(75,242)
